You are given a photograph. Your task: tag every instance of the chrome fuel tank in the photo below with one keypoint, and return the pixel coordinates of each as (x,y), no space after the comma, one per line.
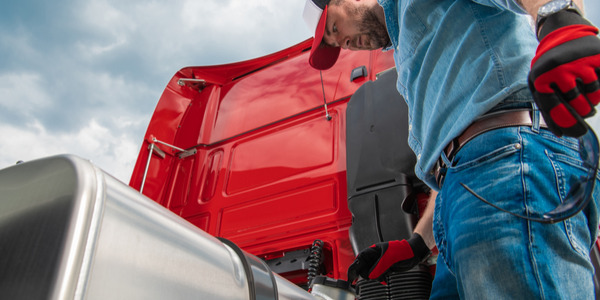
(68,230)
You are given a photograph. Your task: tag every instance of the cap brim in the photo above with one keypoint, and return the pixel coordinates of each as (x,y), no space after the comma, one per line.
(322,57)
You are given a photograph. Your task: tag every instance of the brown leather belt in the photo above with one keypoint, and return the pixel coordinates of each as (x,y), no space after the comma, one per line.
(488,122)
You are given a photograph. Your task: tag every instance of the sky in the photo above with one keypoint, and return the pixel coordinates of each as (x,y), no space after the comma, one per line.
(83,76)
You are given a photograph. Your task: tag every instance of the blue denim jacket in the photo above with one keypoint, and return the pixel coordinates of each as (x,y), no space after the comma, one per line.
(456,60)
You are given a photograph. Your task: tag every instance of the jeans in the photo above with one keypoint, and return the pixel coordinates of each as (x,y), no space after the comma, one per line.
(489,254)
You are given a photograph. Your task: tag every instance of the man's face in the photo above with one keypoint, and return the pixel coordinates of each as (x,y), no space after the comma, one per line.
(354,25)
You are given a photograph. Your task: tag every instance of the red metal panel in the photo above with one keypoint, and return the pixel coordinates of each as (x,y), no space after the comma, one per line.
(180,186)
(281,154)
(211,171)
(201,221)
(282,215)
(281,91)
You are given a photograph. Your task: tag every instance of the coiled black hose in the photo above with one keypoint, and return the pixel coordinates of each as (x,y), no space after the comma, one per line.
(314,260)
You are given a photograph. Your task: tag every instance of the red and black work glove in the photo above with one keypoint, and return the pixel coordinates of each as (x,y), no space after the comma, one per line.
(564,73)
(398,256)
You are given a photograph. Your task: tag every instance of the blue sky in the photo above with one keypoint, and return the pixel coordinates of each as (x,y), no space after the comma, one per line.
(83,76)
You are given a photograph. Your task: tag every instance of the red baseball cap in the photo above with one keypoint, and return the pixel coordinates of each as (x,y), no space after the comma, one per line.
(322,57)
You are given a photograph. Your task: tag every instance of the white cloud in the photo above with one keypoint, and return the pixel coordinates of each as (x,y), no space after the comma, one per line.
(114,152)
(112,27)
(230,16)
(247,28)
(18,39)
(100,49)
(106,18)
(22,92)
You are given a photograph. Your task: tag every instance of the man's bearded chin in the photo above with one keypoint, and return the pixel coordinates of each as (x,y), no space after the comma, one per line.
(375,29)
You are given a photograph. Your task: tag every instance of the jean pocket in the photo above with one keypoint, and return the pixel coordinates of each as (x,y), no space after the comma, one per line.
(468,158)
(579,230)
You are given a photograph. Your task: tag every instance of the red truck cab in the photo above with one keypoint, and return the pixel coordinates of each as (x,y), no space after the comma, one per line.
(245,152)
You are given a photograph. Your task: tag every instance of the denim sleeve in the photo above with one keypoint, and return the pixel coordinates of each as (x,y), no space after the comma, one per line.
(511,5)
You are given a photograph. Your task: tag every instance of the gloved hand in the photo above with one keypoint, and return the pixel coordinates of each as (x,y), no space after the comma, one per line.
(398,256)
(564,73)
